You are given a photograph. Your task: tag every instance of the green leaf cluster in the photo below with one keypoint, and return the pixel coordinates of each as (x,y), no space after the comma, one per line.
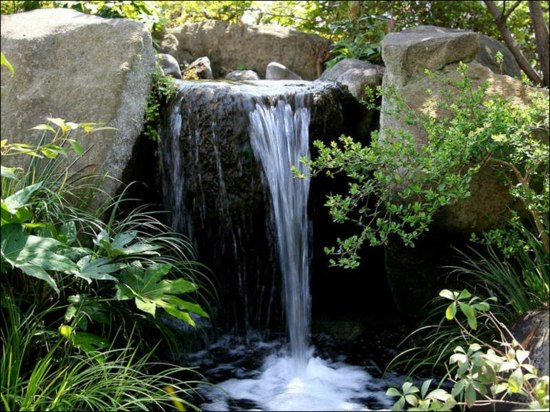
(481,372)
(397,185)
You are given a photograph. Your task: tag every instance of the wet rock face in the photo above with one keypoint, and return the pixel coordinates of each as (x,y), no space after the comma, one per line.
(213,184)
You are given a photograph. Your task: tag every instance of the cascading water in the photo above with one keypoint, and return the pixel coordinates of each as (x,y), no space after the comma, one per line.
(280,138)
(215,125)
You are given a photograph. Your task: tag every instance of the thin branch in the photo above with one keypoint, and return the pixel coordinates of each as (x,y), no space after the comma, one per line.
(510,10)
(510,43)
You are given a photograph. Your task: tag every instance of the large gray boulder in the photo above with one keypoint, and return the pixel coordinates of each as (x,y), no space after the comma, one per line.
(80,68)
(407,54)
(230,46)
(357,75)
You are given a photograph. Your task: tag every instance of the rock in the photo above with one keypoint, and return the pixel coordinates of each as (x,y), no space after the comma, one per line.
(230,45)
(276,71)
(169,44)
(240,75)
(488,49)
(199,69)
(407,54)
(531,331)
(169,65)
(356,75)
(80,68)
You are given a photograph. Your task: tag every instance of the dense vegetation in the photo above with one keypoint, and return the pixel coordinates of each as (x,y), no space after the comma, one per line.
(83,286)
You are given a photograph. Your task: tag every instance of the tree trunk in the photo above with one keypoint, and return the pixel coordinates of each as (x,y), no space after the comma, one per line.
(500,21)
(542,39)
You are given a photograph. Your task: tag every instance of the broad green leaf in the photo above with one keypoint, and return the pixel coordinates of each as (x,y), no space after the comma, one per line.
(22,215)
(98,269)
(146,305)
(521,355)
(507,366)
(180,315)
(499,388)
(150,291)
(458,388)
(70,313)
(424,388)
(182,305)
(439,394)
(77,147)
(450,313)
(464,294)
(123,292)
(411,400)
(57,121)
(9,172)
(482,306)
(122,239)
(178,286)
(68,233)
(39,273)
(20,198)
(34,254)
(43,127)
(470,314)
(470,395)
(408,387)
(515,381)
(447,294)
(393,392)
(398,406)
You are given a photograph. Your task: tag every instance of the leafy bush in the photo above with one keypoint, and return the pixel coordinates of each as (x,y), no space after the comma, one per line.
(396,186)
(481,373)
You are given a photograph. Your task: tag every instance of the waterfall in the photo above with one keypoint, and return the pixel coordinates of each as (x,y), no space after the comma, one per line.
(279,138)
(228,153)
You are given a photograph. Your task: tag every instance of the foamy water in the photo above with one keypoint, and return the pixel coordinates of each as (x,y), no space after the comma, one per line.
(324,385)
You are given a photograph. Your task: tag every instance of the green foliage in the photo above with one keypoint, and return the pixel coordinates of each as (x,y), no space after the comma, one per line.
(397,185)
(46,369)
(521,279)
(481,372)
(163,89)
(93,260)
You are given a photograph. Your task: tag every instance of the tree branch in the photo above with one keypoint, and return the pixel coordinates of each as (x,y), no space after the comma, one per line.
(541,38)
(506,14)
(510,43)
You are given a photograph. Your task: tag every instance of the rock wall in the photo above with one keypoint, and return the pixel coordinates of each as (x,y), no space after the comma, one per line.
(80,68)
(234,46)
